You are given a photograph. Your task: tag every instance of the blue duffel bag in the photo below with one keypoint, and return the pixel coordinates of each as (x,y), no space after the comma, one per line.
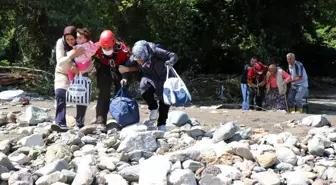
(124,109)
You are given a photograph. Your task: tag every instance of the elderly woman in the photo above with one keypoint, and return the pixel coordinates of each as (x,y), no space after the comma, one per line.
(276,86)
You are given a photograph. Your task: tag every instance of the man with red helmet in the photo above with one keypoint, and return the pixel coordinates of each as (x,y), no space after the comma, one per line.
(255,79)
(109,56)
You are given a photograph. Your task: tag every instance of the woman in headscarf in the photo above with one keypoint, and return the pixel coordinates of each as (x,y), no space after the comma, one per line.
(153,61)
(64,57)
(276,86)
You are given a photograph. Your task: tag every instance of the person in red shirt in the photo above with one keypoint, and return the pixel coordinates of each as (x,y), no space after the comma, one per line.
(109,56)
(255,79)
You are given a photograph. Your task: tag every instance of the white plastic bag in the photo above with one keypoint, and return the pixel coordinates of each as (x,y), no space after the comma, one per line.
(79,91)
(175,92)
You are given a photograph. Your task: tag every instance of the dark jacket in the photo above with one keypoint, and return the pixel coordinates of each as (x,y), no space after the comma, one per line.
(155,69)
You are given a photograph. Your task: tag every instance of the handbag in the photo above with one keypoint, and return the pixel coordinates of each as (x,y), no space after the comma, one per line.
(175,92)
(79,91)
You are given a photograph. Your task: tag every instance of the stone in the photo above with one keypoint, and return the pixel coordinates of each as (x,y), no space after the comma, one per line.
(69,139)
(316,146)
(315,121)
(295,178)
(34,115)
(49,168)
(144,141)
(266,159)
(58,151)
(225,132)
(19,158)
(211,170)
(107,163)
(267,178)
(32,140)
(89,140)
(196,132)
(154,170)
(242,150)
(210,179)
(130,173)
(286,155)
(21,178)
(85,174)
(182,177)
(51,178)
(230,172)
(192,165)
(177,118)
(183,155)
(5,146)
(131,129)
(3,118)
(115,179)
(70,175)
(332,137)
(4,161)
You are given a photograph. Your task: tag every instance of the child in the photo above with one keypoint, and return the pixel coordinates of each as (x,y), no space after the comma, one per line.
(83,62)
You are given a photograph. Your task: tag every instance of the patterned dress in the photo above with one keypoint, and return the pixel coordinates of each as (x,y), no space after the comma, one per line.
(274,100)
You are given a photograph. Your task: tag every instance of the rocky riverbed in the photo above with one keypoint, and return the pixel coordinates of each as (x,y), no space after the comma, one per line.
(188,154)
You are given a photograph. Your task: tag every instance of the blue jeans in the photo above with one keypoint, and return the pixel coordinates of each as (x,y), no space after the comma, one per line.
(60,118)
(295,95)
(245,95)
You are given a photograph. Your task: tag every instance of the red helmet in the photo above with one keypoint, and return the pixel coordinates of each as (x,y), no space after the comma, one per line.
(107,39)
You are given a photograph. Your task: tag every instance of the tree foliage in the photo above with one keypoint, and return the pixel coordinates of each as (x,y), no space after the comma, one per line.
(210,36)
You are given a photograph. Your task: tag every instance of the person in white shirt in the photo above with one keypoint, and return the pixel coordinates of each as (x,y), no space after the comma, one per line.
(299,83)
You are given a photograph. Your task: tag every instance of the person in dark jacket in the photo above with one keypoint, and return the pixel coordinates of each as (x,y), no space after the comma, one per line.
(244,85)
(152,61)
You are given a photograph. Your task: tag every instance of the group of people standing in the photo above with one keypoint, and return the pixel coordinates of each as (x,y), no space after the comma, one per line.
(113,61)
(277,88)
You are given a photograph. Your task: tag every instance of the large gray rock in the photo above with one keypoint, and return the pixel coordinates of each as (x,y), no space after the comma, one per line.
(154,170)
(177,118)
(5,146)
(4,161)
(3,118)
(225,132)
(113,179)
(34,115)
(51,178)
(286,155)
(181,177)
(267,178)
(58,151)
(57,165)
(316,146)
(130,173)
(32,140)
(21,178)
(144,141)
(192,165)
(315,121)
(242,150)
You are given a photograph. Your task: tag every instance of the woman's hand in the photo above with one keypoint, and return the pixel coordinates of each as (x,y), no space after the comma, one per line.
(76,52)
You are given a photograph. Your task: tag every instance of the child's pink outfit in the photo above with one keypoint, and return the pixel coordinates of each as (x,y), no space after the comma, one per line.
(83,61)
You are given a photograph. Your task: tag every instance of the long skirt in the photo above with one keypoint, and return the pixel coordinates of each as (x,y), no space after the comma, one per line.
(274,100)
